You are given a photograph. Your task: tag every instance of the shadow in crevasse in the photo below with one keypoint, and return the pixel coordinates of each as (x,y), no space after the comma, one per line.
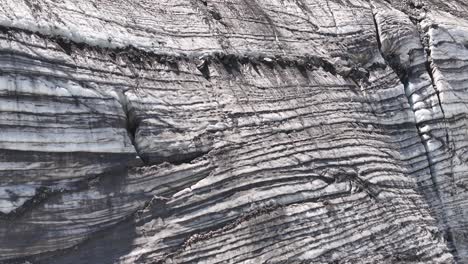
(106,243)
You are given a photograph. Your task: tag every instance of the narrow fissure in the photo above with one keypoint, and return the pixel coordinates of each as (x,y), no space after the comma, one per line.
(403,75)
(430,71)
(131,124)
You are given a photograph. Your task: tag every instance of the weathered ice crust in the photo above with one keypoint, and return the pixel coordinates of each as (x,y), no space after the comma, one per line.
(238,131)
